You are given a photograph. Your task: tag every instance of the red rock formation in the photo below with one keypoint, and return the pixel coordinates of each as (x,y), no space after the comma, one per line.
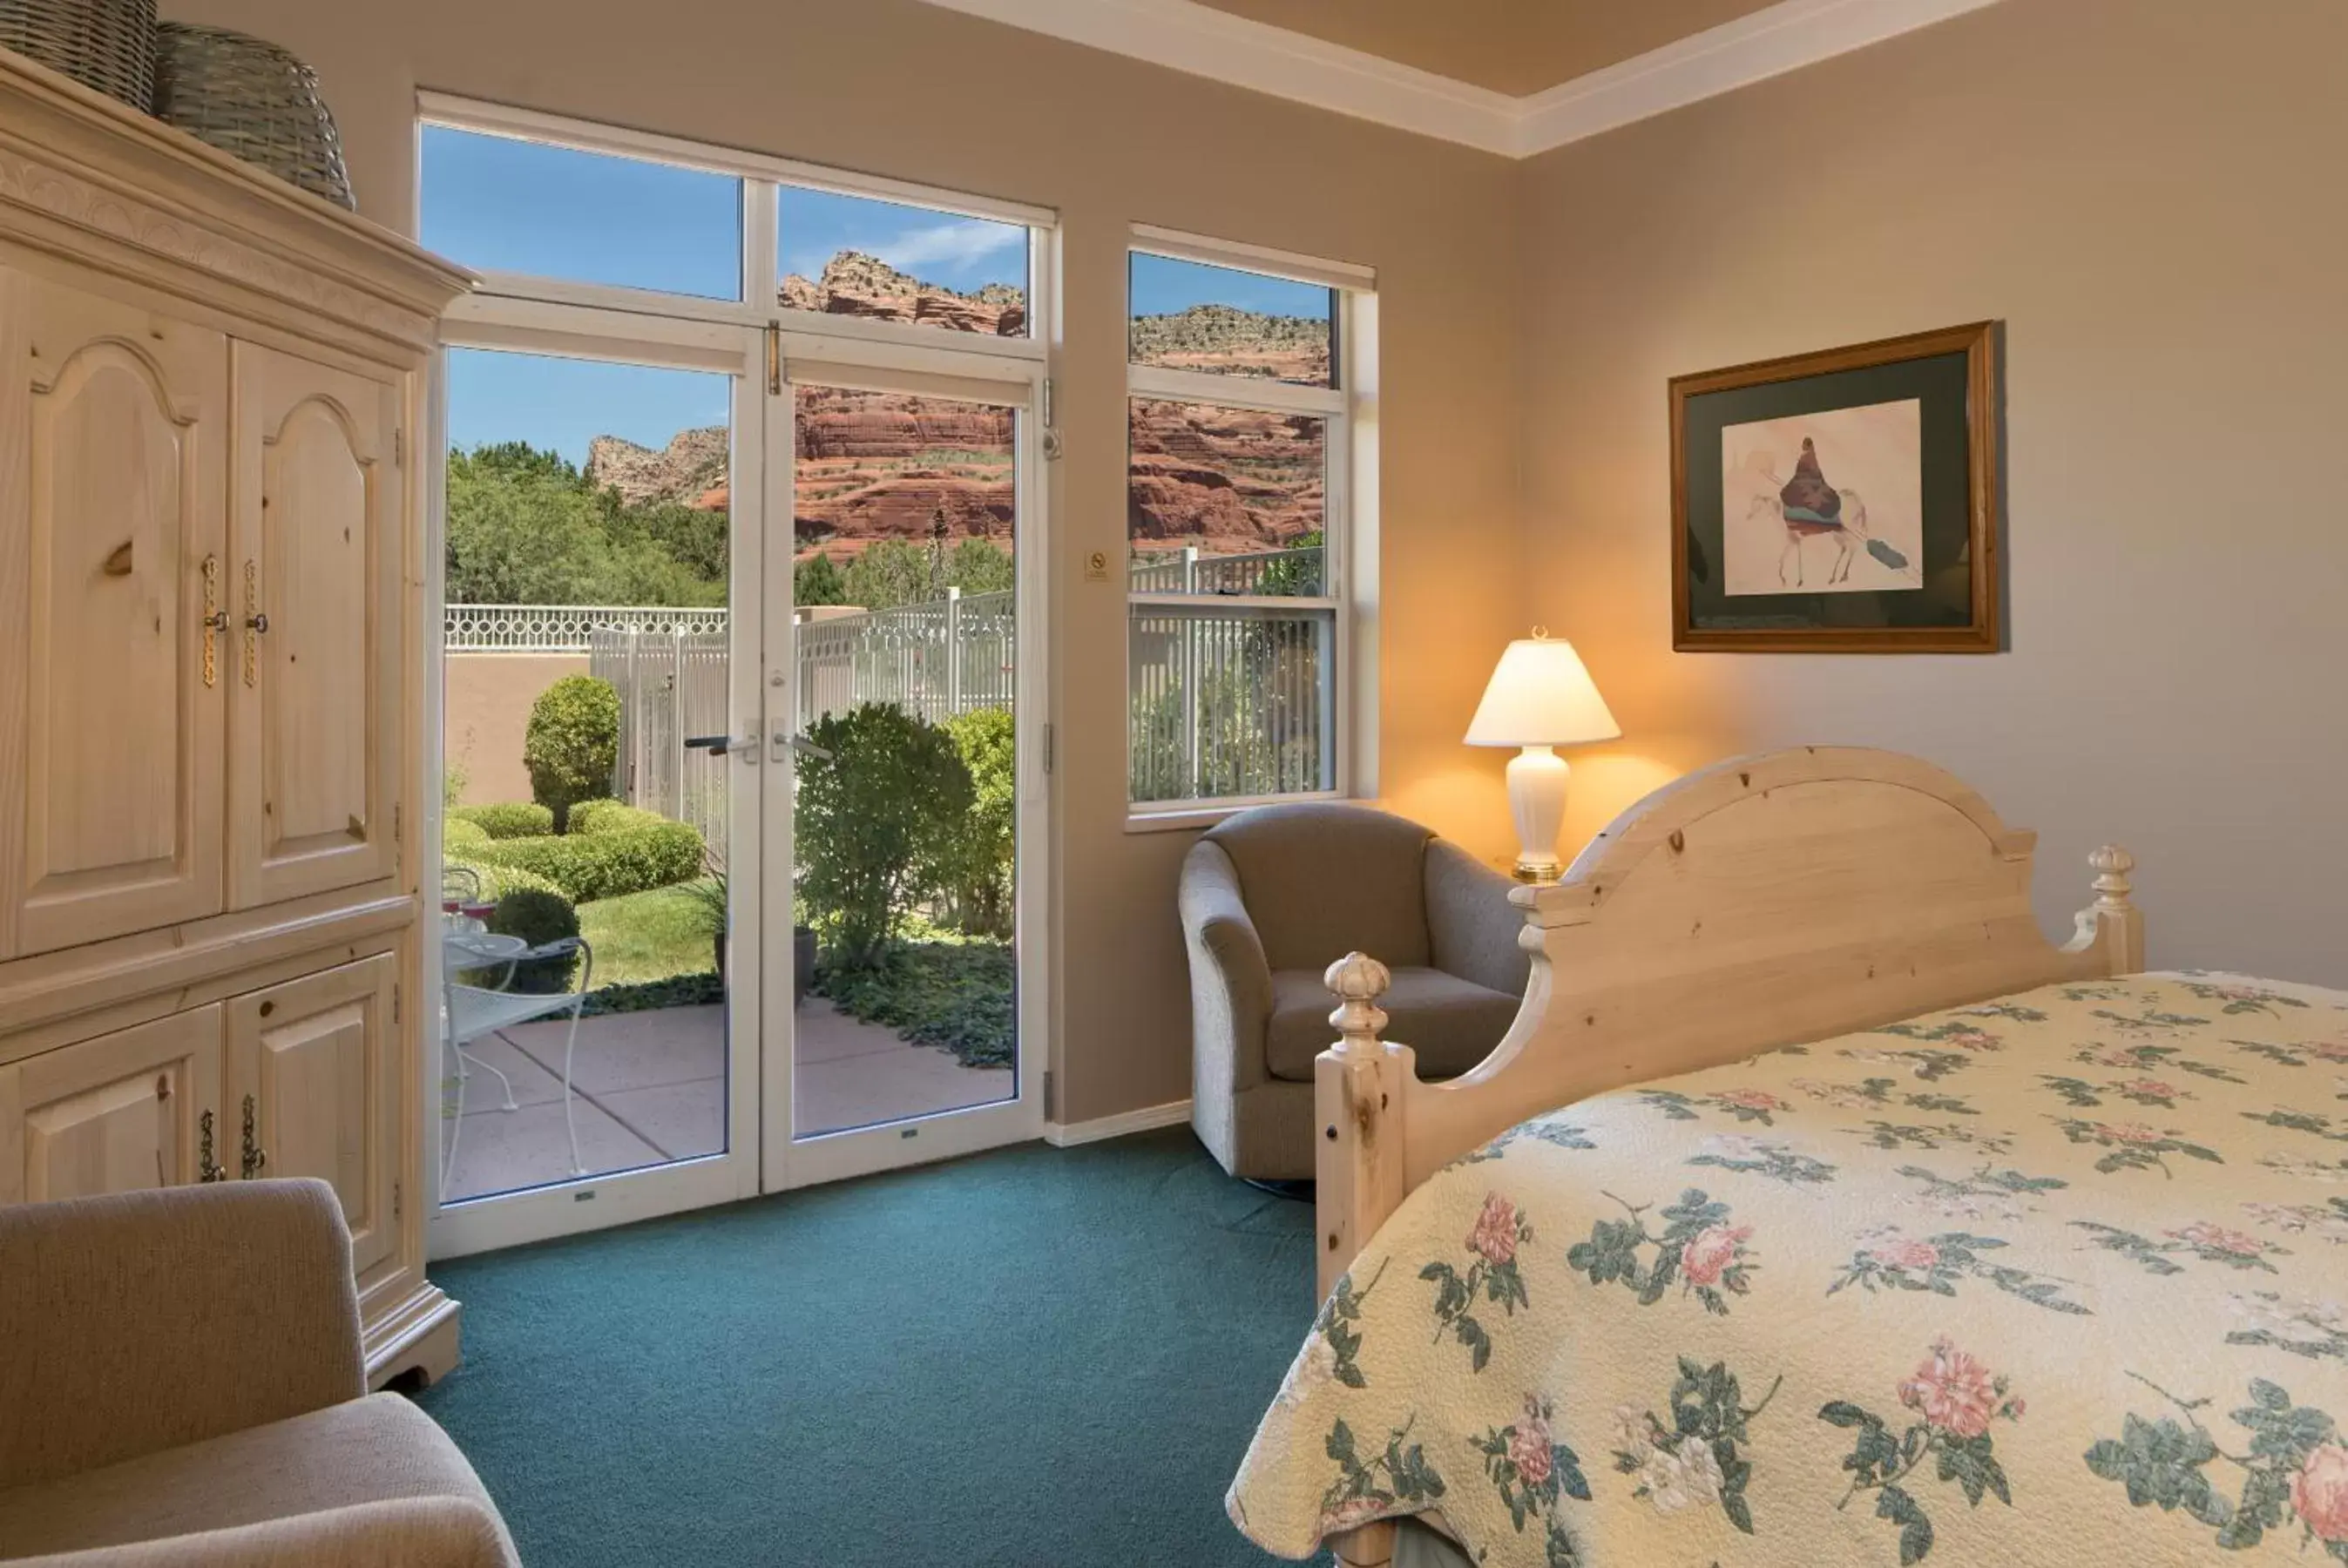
(855,284)
(1227,479)
(689,469)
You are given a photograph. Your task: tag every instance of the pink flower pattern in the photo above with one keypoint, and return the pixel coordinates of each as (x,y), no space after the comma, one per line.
(1494,1239)
(1708,1254)
(1956,1393)
(2319,1492)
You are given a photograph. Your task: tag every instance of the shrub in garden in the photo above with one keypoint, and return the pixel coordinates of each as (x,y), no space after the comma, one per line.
(875,821)
(572,744)
(497,881)
(457,834)
(508,819)
(538,918)
(976,857)
(611,850)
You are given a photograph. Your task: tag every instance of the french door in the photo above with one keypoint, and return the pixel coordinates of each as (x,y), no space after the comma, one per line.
(799,1059)
(913,468)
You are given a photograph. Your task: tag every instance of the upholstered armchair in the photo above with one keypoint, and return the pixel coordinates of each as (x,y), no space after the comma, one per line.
(1270,898)
(180,1387)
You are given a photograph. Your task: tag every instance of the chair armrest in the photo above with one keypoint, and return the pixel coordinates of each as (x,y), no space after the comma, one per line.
(1230,982)
(1471,924)
(149,1320)
(395,1532)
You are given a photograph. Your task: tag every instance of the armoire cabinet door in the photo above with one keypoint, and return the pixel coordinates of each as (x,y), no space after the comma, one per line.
(119,1113)
(317,710)
(313,1063)
(113,501)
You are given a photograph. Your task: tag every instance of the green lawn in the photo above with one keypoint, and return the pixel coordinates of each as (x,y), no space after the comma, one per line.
(648,936)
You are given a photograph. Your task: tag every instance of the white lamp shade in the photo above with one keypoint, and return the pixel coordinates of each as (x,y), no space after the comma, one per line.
(1539,695)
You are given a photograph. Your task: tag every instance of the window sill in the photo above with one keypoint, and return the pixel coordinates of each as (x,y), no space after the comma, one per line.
(1192,819)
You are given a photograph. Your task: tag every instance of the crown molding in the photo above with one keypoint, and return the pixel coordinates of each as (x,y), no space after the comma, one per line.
(1200,41)
(1768,43)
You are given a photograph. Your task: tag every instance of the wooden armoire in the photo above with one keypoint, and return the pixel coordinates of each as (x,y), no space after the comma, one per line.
(212,394)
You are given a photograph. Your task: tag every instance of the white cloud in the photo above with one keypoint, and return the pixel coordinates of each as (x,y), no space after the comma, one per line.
(956,243)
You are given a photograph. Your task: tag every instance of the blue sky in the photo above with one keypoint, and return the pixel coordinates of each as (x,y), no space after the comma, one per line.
(517,206)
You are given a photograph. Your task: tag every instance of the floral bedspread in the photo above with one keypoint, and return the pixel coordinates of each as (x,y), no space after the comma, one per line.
(2058,1279)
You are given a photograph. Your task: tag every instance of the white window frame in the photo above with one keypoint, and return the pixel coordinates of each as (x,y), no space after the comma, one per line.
(1349,512)
(528,313)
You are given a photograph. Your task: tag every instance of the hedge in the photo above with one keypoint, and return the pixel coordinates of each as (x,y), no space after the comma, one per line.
(497,881)
(611,851)
(457,834)
(508,819)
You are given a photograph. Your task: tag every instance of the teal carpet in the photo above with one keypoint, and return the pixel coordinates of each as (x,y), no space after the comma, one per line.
(1035,1358)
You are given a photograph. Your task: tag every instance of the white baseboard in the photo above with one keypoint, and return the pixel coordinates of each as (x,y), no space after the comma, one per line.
(1066,1134)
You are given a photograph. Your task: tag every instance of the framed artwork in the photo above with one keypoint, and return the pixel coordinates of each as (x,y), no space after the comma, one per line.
(1840,502)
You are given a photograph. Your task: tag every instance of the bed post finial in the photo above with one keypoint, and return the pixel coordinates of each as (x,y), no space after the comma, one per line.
(2113,920)
(1358,980)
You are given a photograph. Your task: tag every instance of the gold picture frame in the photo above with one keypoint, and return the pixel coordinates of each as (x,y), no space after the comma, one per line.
(1845,501)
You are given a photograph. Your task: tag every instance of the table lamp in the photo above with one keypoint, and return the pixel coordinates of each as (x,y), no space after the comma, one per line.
(1540,696)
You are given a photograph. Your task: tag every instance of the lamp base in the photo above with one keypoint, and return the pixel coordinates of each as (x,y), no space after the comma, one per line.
(1538,777)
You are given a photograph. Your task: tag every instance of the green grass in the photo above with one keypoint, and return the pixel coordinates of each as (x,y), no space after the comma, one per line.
(650,935)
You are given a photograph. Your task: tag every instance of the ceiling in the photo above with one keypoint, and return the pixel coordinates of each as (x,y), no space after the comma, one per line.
(1513,46)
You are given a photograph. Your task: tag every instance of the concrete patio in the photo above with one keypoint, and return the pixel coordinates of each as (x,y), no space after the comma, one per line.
(650,1089)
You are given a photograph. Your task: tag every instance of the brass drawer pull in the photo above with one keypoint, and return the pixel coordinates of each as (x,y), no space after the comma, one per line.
(256,1158)
(207,1169)
(255,623)
(215,620)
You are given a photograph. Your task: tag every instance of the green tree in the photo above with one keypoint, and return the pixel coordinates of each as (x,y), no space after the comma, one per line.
(875,819)
(571,744)
(817,580)
(977,859)
(888,573)
(977,566)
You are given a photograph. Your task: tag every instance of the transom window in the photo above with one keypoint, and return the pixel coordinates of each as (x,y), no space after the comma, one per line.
(1239,426)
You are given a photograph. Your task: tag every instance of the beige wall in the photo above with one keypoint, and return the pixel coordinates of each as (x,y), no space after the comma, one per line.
(919,93)
(485,714)
(2147,192)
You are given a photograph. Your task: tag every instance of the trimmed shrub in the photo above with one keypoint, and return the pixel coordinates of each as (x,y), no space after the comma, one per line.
(457,834)
(873,822)
(620,851)
(497,881)
(538,918)
(612,816)
(506,819)
(976,857)
(572,744)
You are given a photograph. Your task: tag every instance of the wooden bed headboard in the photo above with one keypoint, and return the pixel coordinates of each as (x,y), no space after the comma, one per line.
(1768,900)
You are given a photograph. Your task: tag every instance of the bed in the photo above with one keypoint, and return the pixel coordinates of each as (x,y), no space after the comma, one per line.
(1818,1210)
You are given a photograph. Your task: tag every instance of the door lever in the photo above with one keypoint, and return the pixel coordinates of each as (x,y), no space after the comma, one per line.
(785,740)
(719,745)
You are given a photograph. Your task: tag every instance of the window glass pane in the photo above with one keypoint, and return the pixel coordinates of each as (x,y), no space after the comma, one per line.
(503,204)
(1224,321)
(853,256)
(1226,500)
(906,642)
(587,509)
(1230,701)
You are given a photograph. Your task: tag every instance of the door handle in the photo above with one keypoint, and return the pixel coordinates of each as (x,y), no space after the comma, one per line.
(745,747)
(799,741)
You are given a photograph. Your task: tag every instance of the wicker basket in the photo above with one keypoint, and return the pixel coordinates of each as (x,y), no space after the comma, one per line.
(251,100)
(109,44)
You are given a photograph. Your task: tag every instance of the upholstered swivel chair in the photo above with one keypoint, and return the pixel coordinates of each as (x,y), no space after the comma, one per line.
(1270,898)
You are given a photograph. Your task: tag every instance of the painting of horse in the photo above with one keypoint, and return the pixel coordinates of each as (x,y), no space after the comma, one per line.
(1831,502)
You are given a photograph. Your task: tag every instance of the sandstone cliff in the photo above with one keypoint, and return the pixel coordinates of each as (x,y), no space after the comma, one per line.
(1221,340)
(856,284)
(689,469)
